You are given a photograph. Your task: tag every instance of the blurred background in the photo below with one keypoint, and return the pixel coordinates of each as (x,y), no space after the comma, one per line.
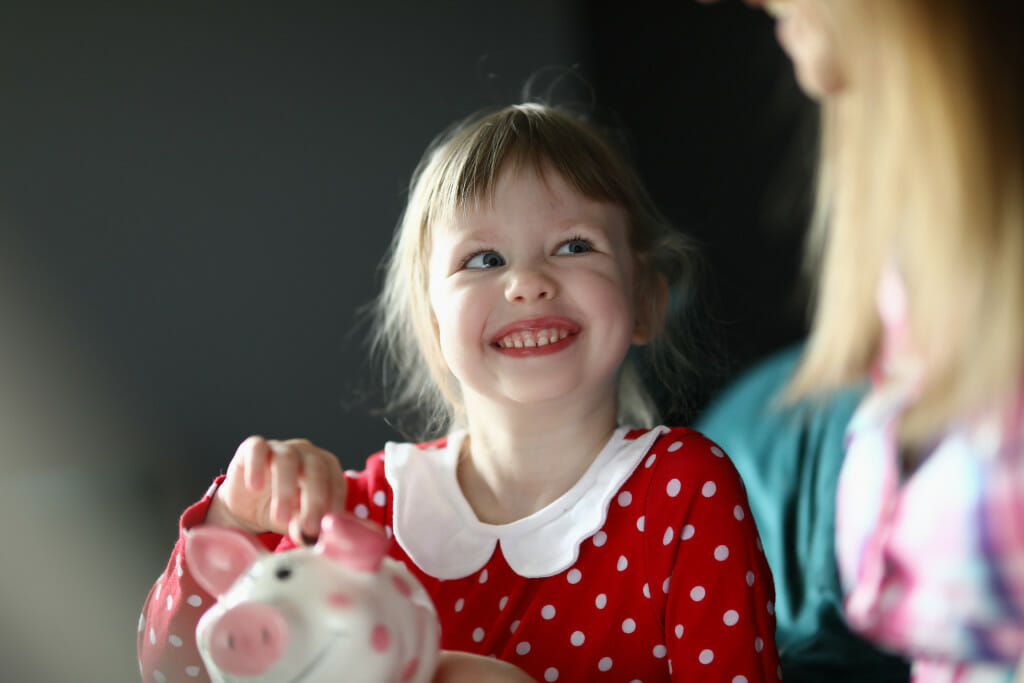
(194,198)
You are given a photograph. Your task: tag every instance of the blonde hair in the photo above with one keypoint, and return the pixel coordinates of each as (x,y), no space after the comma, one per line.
(461,167)
(921,166)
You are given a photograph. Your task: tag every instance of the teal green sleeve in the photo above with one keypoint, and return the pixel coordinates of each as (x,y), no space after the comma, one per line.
(789,457)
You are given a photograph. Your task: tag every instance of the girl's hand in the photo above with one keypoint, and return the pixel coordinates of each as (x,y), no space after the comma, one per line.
(462,667)
(280,486)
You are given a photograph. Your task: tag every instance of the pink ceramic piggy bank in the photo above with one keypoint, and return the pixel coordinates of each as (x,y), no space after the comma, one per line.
(338,611)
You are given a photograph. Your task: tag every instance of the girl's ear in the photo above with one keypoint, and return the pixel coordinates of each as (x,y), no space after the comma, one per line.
(651,307)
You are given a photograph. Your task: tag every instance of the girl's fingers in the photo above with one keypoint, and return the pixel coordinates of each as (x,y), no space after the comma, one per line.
(339,487)
(316,492)
(254,454)
(284,481)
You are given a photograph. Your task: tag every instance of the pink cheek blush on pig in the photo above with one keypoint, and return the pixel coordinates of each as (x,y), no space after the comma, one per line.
(339,610)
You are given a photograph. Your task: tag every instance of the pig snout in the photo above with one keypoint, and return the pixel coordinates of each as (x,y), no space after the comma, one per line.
(248,639)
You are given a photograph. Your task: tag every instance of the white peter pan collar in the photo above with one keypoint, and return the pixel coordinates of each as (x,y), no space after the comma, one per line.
(436,527)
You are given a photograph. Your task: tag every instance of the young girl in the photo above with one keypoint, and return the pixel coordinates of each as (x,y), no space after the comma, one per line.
(557,541)
(922,284)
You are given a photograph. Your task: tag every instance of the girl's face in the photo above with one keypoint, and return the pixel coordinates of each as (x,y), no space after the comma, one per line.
(806,30)
(532,293)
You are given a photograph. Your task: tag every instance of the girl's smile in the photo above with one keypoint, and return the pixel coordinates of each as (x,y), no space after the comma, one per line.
(536,337)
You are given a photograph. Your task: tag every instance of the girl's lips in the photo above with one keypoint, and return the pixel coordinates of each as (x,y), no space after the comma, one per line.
(535,337)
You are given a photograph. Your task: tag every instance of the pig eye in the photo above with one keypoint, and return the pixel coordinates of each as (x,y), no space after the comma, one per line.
(283,573)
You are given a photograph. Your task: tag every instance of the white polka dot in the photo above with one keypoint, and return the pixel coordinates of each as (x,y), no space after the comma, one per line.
(750,578)
(159,677)
(640,523)
(718,452)
(502,603)
(388,532)
(676,445)
(181,572)
(577,638)
(660,651)
(622,563)
(665,585)
(721,553)
(514,626)
(522,648)
(459,604)
(698,593)
(548,611)
(574,576)
(668,536)
(673,488)
(738,513)
(192,671)
(380,498)
(170,602)
(152,636)
(478,635)
(647,591)
(688,532)
(483,576)
(195,600)
(362,511)
(600,538)
(650,460)
(708,489)
(156,593)
(731,617)
(175,641)
(605,664)
(759,546)
(706,656)
(601,601)
(771,607)
(679,630)
(551,674)
(739,679)
(142,622)
(628,626)
(758,644)
(625,498)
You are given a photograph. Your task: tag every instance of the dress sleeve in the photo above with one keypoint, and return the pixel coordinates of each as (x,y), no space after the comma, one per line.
(166,639)
(704,554)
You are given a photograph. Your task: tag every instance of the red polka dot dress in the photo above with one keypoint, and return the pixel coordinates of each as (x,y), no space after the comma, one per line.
(648,569)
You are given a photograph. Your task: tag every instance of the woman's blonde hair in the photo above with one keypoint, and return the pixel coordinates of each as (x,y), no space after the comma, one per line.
(921,167)
(460,168)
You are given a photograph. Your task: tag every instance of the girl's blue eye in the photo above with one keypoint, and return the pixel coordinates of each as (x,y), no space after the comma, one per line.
(577,245)
(484,260)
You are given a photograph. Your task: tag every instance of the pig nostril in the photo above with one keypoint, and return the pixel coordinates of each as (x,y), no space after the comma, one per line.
(267,637)
(231,642)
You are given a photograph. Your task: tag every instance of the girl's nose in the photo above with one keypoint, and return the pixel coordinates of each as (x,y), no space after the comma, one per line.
(526,285)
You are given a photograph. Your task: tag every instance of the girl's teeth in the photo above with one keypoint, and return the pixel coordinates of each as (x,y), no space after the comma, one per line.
(541,338)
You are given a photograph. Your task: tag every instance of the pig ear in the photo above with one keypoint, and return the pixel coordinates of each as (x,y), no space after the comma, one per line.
(217,556)
(352,542)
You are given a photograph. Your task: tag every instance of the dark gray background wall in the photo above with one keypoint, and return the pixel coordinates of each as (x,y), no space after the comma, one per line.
(194,197)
